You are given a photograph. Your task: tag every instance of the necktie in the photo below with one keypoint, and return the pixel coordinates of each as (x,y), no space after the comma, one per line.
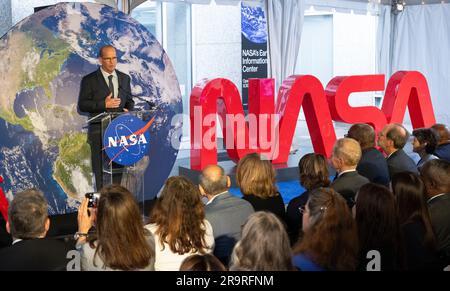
(111,86)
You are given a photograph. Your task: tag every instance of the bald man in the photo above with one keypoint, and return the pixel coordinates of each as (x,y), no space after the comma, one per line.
(225,212)
(345,158)
(443,149)
(392,139)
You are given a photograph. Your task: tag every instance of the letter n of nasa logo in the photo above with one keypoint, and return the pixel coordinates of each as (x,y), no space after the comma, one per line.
(126,139)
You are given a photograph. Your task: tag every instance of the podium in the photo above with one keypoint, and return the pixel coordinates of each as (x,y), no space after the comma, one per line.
(125,149)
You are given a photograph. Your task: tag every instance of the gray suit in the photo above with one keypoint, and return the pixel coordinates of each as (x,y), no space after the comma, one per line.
(348,185)
(227,214)
(399,162)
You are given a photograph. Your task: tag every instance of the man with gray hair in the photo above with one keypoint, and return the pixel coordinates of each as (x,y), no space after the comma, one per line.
(392,139)
(28,224)
(345,158)
(225,212)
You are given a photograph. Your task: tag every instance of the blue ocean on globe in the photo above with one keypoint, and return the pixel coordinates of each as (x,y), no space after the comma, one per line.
(253,24)
(43,140)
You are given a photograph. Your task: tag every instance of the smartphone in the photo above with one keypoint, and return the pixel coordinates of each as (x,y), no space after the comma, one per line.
(93,198)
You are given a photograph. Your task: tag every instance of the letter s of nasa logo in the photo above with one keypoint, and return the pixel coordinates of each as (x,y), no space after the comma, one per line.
(126,139)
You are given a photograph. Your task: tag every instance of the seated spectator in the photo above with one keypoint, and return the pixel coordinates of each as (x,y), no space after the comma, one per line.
(378,227)
(264,245)
(392,139)
(28,224)
(415,222)
(226,213)
(443,148)
(330,241)
(206,262)
(255,177)
(314,173)
(424,144)
(120,242)
(372,164)
(436,177)
(345,157)
(178,223)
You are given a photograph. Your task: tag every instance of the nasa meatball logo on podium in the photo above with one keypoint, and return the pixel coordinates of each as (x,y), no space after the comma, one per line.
(126,140)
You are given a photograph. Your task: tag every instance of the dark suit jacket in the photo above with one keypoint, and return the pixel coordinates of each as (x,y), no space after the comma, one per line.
(374,167)
(94,90)
(272,204)
(443,151)
(293,216)
(399,162)
(35,255)
(227,214)
(439,208)
(348,185)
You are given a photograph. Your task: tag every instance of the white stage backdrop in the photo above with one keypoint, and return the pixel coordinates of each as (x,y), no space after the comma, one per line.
(422,43)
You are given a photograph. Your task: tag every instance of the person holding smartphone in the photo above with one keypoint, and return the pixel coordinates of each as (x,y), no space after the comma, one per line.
(119,241)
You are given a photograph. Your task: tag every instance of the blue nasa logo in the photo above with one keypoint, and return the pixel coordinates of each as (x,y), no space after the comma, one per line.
(127,139)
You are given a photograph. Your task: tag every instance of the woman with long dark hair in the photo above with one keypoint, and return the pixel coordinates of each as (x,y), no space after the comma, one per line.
(178,223)
(378,227)
(329,241)
(415,222)
(120,241)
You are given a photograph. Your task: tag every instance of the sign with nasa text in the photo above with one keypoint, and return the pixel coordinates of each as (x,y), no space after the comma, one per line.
(127,140)
(254,45)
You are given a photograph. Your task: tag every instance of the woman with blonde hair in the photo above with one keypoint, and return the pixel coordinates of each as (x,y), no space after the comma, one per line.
(255,177)
(120,241)
(264,245)
(330,240)
(178,223)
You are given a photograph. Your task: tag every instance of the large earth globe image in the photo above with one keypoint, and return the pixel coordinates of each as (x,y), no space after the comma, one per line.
(43,136)
(253,23)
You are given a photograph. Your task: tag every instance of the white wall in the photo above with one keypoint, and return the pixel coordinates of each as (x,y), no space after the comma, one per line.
(354,50)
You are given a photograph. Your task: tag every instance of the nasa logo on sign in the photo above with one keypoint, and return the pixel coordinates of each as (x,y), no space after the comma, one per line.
(127,139)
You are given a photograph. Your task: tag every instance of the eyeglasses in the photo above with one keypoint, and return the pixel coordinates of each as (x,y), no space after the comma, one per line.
(110,59)
(302,209)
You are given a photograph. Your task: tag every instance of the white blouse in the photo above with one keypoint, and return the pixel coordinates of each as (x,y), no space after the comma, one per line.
(166,260)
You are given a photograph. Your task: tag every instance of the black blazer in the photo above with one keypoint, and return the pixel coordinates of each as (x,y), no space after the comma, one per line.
(294,217)
(348,185)
(272,204)
(374,167)
(35,255)
(399,162)
(94,90)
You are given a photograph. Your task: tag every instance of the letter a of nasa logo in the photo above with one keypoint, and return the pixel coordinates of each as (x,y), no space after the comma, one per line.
(127,139)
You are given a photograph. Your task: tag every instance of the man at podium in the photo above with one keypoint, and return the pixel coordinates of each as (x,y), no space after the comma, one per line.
(104,90)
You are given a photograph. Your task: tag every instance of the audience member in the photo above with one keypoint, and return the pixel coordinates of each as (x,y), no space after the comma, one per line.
(345,157)
(226,213)
(264,245)
(330,241)
(424,144)
(378,227)
(121,242)
(372,164)
(443,149)
(436,177)
(415,222)
(392,139)
(313,173)
(178,223)
(206,262)
(28,224)
(255,177)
